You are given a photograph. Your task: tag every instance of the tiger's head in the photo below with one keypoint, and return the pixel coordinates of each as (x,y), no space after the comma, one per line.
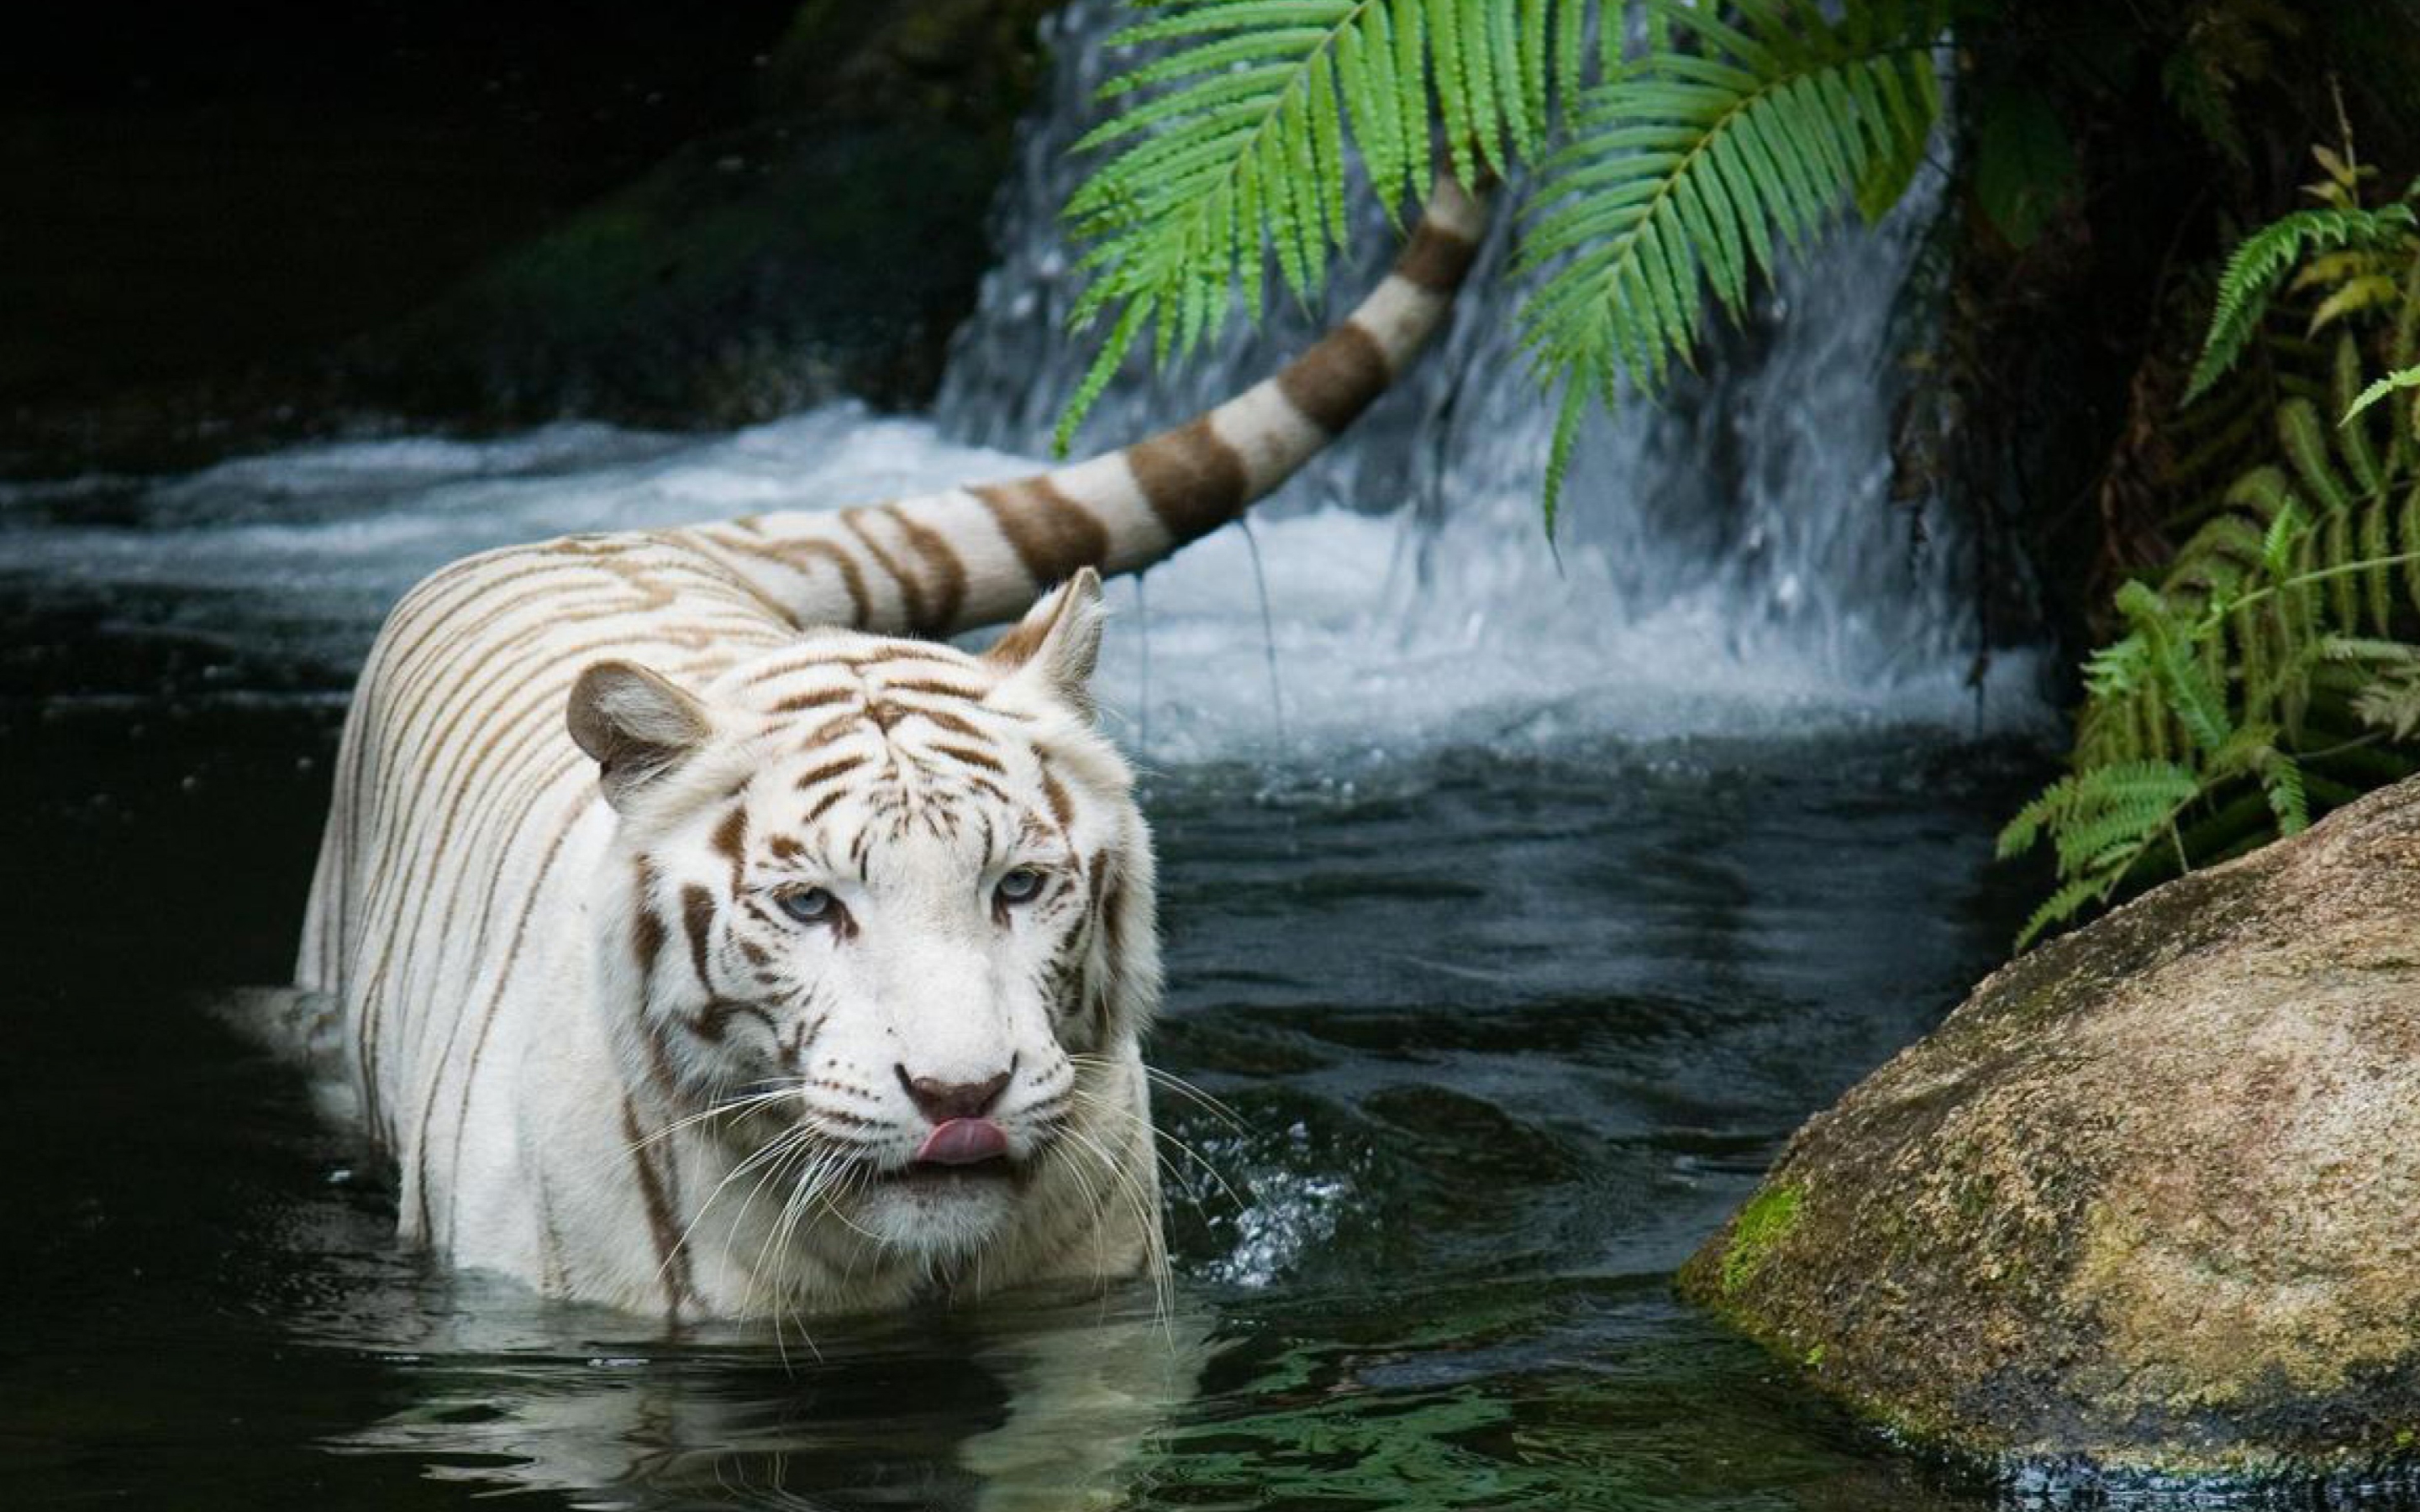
(889,924)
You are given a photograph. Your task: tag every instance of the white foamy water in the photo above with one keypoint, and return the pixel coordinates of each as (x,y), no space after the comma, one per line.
(1389,632)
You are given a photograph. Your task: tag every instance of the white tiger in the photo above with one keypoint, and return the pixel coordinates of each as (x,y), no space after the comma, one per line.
(823,985)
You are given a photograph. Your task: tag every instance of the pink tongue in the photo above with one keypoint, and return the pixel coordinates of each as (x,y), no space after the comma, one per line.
(963,1142)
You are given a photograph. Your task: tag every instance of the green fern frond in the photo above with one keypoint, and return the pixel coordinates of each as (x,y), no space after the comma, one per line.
(2103,823)
(2402,378)
(2391,702)
(2277,662)
(1235,133)
(2262,262)
(1681,175)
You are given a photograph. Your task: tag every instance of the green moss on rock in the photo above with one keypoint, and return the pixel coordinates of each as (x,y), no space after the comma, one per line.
(1764,1223)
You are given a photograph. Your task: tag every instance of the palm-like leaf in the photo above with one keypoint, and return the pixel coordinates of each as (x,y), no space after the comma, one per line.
(1239,148)
(1682,174)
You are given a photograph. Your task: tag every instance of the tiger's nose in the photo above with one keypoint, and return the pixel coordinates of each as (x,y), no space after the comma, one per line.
(941,1100)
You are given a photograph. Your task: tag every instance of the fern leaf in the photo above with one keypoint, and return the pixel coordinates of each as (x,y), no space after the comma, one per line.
(1691,166)
(2062,906)
(1237,126)
(2402,378)
(1444,23)
(2261,261)
(2391,702)
(2305,440)
(2281,781)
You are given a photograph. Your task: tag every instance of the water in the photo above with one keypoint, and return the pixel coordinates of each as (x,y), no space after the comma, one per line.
(1517,917)
(1744,527)
(1505,1037)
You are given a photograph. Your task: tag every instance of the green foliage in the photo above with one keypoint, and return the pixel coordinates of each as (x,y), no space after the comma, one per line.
(2402,378)
(2274,672)
(1240,148)
(1688,170)
(2229,44)
(1680,171)
(2372,239)
(2024,164)
(1767,1220)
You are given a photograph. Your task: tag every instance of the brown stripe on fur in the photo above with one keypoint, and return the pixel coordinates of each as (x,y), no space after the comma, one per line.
(829,730)
(646,925)
(940,559)
(1062,806)
(487,1022)
(825,803)
(714,1020)
(697,918)
(807,662)
(1436,260)
(1017,646)
(792,1053)
(731,836)
(938,691)
(986,787)
(659,1055)
(1191,478)
(970,756)
(1114,937)
(797,702)
(1106,892)
(911,589)
(672,1253)
(829,770)
(1334,381)
(936,658)
(796,554)
(1052,534)
(944,720)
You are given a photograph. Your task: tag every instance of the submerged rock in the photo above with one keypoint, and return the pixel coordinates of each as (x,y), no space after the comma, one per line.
(2148,1203)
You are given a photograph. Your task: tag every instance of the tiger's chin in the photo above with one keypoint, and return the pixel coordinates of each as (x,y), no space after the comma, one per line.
(942,1214)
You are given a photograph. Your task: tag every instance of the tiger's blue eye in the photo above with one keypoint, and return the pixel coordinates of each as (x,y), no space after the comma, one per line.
(809,905)
(1020,885)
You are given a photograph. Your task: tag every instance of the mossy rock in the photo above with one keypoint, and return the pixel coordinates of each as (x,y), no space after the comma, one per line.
(2148,1203)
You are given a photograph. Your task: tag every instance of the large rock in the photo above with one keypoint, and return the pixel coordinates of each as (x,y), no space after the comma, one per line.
(2147,1202)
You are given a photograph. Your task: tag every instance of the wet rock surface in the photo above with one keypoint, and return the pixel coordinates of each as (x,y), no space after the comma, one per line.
(2146,1203)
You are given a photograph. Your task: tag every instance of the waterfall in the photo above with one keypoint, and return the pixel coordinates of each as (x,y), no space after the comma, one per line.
(1739,535)
(1731,560)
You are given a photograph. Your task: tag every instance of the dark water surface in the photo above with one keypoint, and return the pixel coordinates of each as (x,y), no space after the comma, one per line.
(1504,1037)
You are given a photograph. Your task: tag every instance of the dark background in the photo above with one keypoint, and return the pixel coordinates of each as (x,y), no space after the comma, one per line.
(225,225)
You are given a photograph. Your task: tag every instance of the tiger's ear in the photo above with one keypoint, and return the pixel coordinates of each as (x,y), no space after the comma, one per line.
(636,724)
(1058,644)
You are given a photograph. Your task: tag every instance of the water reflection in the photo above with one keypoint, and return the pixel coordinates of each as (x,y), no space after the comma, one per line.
(1036,1406)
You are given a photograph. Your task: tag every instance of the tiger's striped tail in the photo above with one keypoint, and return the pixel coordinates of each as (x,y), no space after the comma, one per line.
(972,556)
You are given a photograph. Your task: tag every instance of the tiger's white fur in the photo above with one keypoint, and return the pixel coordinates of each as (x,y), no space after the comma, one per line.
(605,1059)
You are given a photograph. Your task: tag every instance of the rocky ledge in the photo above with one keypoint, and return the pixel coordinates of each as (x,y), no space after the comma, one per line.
(2148,1203)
